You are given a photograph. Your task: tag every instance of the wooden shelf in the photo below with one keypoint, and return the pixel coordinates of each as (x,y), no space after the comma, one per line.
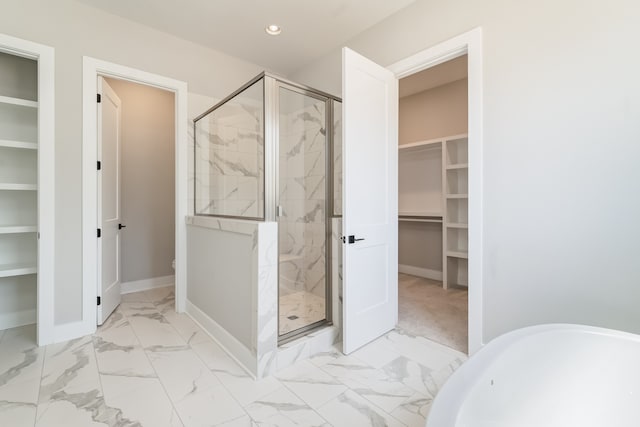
(18,101)
(457,196)
(18,187)
(18,229)
(458,166)
(457,225)
(458,254)
(17,269)
(18,144)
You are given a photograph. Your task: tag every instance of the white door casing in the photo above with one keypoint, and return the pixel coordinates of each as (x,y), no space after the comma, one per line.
(109,140)
(370,163)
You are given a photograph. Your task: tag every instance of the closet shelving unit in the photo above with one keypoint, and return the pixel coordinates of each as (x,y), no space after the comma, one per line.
(18,189)
(455,179)
(433,188)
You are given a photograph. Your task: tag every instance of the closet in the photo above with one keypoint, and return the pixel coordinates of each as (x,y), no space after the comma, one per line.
(433,174)
(22,205)
(433,205)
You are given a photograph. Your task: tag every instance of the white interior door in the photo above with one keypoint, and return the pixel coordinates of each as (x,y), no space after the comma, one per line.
(109,268)
(370,200)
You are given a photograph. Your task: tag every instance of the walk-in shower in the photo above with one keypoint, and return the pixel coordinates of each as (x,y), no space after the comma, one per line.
(267,153)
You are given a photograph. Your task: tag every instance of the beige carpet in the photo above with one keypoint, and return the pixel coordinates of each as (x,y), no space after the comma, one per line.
(427,310)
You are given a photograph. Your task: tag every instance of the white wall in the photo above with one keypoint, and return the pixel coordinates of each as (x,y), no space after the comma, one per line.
(75,30)
(148,180)
(562,143)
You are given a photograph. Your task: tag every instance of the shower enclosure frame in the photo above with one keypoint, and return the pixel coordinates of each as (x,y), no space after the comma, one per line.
(271,169)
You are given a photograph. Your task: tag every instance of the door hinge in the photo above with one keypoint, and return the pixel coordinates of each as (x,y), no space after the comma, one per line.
(99,232)
(99,98)
(99,165)
(99,301)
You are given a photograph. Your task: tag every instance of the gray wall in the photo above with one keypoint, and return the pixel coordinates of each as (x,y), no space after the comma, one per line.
(148,180)
(75,30)
(561,100)
(220,278)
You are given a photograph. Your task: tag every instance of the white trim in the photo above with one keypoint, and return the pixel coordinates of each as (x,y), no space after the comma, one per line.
(420,272)
(146,284)
(72,330)
(91,69)
(46,177)
(234,348)
(17,318)
(471,44)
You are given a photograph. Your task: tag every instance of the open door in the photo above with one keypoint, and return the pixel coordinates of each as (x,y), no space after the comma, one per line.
(370,200)
(109,269)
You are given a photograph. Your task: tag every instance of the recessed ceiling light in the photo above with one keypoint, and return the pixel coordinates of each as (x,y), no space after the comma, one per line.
(273,30)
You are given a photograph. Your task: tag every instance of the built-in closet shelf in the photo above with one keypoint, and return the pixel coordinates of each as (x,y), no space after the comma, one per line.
(10,270)
(18,101)
(7,143)
(457,225)
(418,219)
(420,214)
(18,229)
(458,254)
(458,166)
(18,187)
(457,196)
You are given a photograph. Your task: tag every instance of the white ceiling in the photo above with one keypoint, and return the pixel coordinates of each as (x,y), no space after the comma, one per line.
(310,28)
(439,75)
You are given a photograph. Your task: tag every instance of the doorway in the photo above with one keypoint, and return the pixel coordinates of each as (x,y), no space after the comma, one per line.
(370,114)
(92,68)
(433,203)
(136,196)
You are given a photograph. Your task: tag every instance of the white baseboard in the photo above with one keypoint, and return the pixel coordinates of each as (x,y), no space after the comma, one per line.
(420,272)
(69,331)
(234,348)
(146,284)
(18,318)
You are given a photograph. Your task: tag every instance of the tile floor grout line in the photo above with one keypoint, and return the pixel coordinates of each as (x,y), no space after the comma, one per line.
(44,359)
(173,404)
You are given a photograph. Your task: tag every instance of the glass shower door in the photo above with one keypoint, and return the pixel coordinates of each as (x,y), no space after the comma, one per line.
(302,211)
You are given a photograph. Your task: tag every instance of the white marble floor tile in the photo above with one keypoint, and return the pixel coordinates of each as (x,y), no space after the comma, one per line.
(148,366)
(247,390)
(17,414)
(70,368)
(155,332)
(283,408)
(182,373)
(118,351)
(123,395)
(373,384)
(216,359)
(21,364)
(186,327)
(349,410)
(376,354)
(208,407)
(310,383)
(413,412)
(243,421)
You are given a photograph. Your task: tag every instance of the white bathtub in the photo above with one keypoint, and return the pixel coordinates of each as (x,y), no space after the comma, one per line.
(546,376)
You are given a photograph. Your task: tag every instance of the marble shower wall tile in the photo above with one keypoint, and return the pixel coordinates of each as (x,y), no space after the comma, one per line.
(229,164)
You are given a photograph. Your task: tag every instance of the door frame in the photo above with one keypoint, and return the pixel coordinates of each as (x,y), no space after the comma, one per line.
(44,55)
(92,68)
(469,43)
